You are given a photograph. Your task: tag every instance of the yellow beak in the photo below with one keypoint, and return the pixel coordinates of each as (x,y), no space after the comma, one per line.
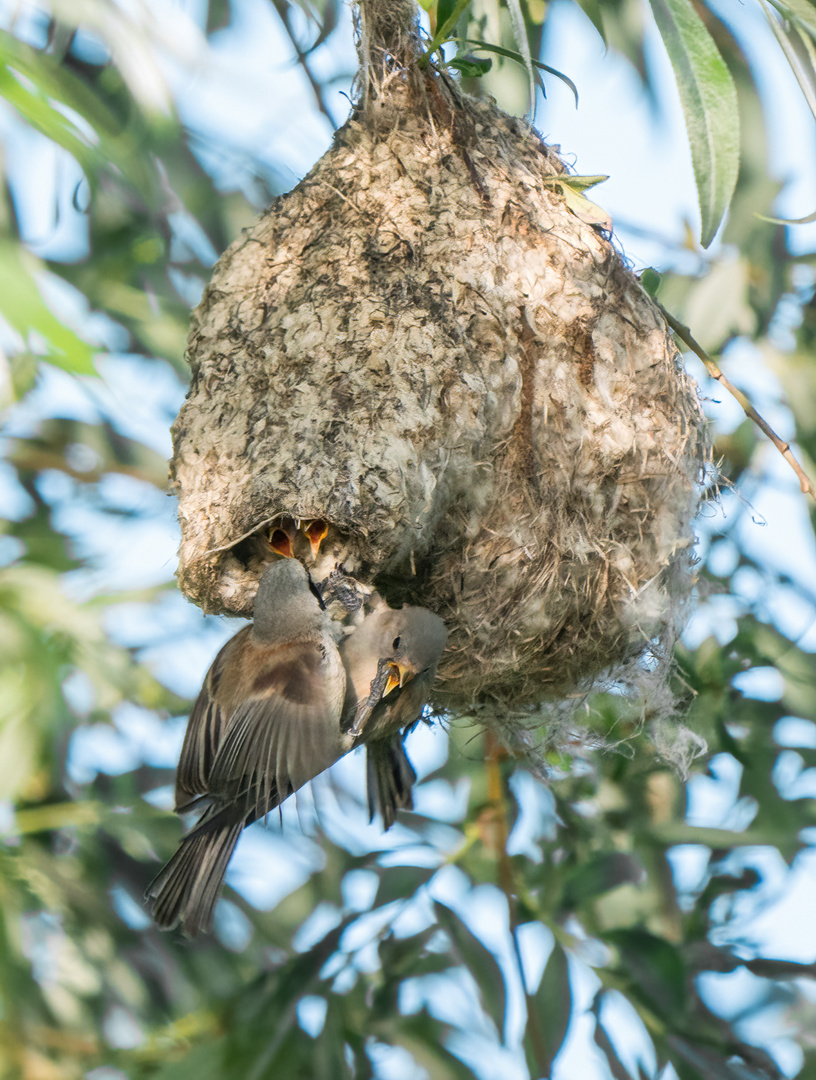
(398,675)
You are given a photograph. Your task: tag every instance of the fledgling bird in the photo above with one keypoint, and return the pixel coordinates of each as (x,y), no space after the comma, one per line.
(267,720)
(315,532)
(390,661)
(296,539)
(277,708)
(280,541)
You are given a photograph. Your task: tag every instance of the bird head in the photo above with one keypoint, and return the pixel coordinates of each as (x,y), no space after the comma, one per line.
(411,639)
(287,605)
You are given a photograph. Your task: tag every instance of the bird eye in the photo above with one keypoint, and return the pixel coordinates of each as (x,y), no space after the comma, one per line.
(395,644)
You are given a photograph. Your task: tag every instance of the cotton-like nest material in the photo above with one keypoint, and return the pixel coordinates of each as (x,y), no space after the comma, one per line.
(424,347)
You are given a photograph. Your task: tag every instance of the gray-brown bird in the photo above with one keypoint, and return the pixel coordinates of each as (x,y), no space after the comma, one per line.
(390,661)
(277,709)
(267,720)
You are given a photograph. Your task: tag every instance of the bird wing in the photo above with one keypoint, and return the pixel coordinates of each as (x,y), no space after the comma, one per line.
(285,732)
(205,730)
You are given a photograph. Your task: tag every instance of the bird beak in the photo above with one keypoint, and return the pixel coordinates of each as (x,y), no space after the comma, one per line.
(281,543)
(398,676)
(315,531)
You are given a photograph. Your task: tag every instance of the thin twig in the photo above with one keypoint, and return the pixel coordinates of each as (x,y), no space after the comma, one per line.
(282,9)
(683,332)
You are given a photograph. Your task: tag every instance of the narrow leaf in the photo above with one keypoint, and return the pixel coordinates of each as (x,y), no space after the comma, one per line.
(604,1043)
(444,11)
(402,882)
(499,50)
(444,29)
(806,220)
(599,875)
(709,100)
(24,308)
(655,968)
(106,144)
(471,66)
(801,10)
(801,66)
(480,962)
(552,1006)
(574,181)
(520,34)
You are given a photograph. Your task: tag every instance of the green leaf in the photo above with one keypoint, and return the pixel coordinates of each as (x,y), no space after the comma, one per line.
(592,10)
(108,144)
(650,280)
(806,220)
(800,54)
(709,99)
(401,882)
(447,17)
(802,10)
(204,1062)
(510,54)
(655,968)
(480,962)
(471,66)
(579,183)
(33,107)
(600,875)
(604,1043)
(24,309)
(445,10)
(572,188)
(552,1007)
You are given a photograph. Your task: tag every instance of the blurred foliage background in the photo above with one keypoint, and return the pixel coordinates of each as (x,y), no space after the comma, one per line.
(608,920)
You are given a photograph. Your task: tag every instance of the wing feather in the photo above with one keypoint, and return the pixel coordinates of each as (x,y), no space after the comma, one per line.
(205,730)
(285,734)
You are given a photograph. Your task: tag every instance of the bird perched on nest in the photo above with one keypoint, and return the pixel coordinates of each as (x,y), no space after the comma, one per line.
(390,651)
(280,704)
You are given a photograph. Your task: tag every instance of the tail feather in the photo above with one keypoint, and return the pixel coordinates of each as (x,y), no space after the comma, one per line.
(185,891)
(390,778)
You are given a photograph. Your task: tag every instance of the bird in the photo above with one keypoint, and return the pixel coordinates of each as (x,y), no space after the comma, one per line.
(294,538)
(267,720)
(315,532)
(390,661)
(280,541)
(280,704)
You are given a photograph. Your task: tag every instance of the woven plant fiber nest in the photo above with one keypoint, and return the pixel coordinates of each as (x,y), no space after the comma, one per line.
(423,347)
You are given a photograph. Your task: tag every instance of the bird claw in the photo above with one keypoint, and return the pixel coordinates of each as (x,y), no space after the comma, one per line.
(376,693)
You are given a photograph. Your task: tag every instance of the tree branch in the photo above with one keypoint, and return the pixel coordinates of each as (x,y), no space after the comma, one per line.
(685,335)
(494,754)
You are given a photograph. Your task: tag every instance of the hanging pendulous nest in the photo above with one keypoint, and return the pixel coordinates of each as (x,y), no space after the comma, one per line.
(422,347)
